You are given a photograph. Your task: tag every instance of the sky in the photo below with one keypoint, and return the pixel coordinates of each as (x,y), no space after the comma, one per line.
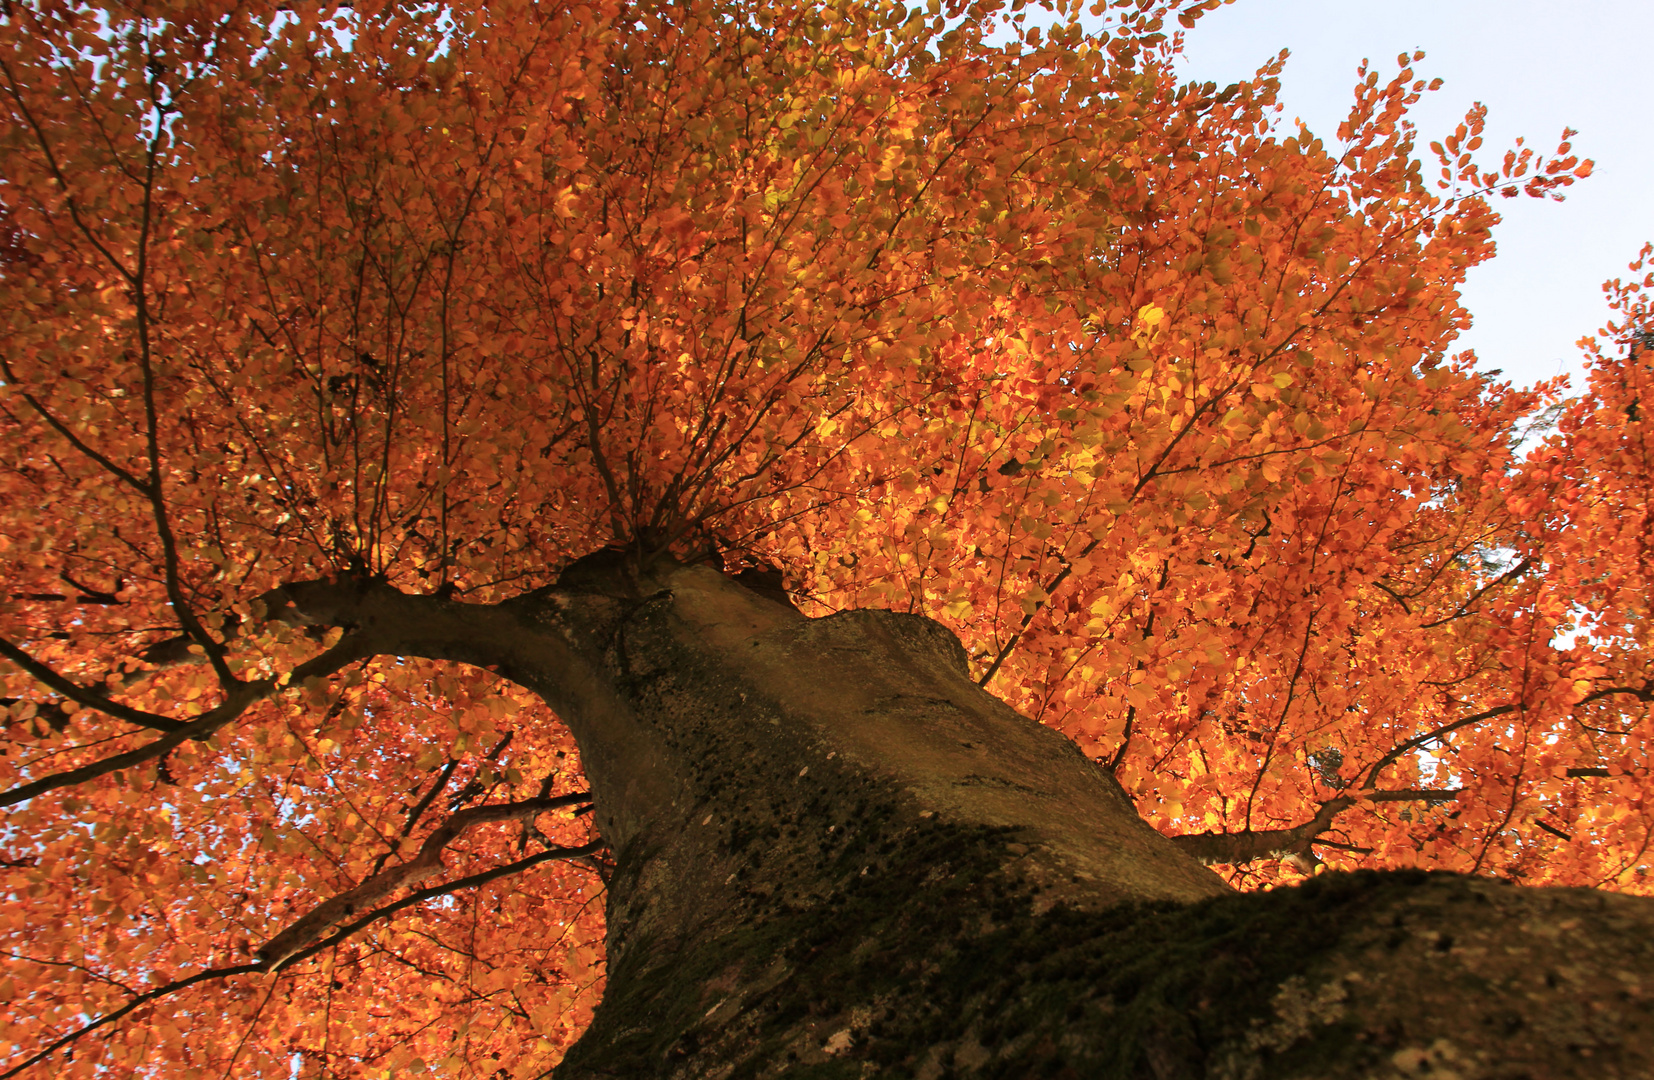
(1538,67)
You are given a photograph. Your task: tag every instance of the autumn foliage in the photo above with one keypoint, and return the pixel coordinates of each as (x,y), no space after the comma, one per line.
(1149,396)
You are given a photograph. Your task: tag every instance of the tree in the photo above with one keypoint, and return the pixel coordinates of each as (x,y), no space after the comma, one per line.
(510,506)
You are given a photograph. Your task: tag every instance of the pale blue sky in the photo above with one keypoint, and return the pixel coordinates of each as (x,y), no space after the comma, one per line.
(1537,66)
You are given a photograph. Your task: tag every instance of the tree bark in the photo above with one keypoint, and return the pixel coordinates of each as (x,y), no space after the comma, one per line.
(836,856)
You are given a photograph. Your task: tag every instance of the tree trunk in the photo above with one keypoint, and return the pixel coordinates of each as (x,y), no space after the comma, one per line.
(836,856)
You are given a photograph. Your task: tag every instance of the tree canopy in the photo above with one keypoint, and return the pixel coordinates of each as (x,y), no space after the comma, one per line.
(1148,395)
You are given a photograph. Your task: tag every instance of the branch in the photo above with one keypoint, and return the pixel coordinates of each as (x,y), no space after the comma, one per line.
(237,699)
(1393,595)
(89,698)
(418,811)
(90,595)
(472,789)
(163,654)
(1430,736)
(371,917)
(1641,693)
(1027,620)
(572,853)
(491,636)
(1292,844)
(74,440)
(1413,795)
(173,651)
(1243,847)
(1644,693)
(304,932)
(1516,571)
(140,1000)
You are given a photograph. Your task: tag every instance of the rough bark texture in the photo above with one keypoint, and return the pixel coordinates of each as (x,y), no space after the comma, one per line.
(838,857)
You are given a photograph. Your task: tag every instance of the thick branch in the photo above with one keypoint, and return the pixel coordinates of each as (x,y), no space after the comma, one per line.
(1294,843)
(547,641)
(427,863)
